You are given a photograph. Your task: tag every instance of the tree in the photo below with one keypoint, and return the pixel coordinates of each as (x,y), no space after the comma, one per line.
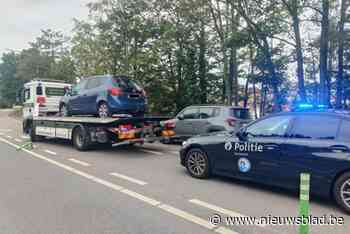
(293,7)
(324,95)
(9,83)
(341,37)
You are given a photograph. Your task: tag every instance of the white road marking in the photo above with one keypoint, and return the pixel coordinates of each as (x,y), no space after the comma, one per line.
(227,212)
(5,130)
(9,137)
(136,181)
(25,137)
(174,152)
(177,212)
(141,197)
(187,216)
(152,152)
(79,162)
(18,140)
(50,152)
(223,230)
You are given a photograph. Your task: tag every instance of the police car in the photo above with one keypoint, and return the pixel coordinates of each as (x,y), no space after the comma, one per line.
(276,149)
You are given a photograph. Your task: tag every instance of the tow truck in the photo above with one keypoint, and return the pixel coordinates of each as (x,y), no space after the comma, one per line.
(87,132)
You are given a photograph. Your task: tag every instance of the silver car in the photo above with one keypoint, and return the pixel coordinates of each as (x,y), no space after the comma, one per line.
(195,120)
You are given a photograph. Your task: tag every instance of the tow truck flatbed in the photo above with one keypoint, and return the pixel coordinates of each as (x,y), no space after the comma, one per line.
(85,132)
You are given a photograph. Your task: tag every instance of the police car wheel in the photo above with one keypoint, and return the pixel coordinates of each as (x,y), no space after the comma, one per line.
(103,110)
(197,163)
(81,139)
(341,191)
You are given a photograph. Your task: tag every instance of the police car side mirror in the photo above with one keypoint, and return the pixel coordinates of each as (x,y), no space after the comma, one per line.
(242,135)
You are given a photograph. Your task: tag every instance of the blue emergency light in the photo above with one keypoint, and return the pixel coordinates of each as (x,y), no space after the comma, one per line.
(310,107)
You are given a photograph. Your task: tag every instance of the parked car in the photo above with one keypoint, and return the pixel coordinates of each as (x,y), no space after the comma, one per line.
(195,120)
(104,96)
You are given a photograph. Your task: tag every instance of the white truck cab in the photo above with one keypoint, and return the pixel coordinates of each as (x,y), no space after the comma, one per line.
(42,97)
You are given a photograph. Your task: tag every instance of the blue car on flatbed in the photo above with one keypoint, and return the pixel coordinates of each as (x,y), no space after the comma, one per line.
(104,96)
(276,149)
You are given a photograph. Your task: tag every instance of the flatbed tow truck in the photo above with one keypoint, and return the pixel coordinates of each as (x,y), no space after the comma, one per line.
(87,132)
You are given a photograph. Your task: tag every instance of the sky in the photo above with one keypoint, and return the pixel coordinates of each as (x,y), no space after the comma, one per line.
(22,20)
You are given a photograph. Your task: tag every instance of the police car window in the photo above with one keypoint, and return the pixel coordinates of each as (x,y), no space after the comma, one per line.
(315,127)
(190,113)
(206,113)
(344,131)
(270,127)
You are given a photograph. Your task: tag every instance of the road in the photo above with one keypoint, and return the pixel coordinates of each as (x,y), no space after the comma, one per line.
(56,189)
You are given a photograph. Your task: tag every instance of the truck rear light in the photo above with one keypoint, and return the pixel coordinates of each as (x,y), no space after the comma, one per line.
(115,91)
(169,124)
(231,122)
(126,127)
(41,101)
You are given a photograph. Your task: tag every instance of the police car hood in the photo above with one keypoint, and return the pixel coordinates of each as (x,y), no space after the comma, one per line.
(212,137)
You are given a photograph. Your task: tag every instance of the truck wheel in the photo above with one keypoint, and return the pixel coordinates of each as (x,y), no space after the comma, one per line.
(341,191)
(81,139)
(103,110)
(197,163)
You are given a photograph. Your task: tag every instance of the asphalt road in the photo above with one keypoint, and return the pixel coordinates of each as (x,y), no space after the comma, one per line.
(56,189)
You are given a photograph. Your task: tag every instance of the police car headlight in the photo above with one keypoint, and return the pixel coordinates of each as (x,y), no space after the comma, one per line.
(184,143)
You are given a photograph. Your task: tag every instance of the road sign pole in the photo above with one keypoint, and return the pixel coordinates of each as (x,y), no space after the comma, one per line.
(304,203)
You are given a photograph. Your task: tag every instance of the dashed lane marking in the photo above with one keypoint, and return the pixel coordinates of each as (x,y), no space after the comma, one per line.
(152,152)
(50,152)
(221,210)
(172,210)
(133,180)
(79,162)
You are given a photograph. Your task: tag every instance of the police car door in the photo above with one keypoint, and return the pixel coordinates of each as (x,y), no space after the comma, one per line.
(313,147)
(258,155)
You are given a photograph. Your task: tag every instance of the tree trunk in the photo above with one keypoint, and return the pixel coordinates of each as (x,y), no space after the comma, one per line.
(340,75)
(255,101)
(246,93)
(202,65)
(324,52)
(299,52)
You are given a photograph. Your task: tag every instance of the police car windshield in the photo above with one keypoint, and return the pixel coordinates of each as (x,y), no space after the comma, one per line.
(271,127)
